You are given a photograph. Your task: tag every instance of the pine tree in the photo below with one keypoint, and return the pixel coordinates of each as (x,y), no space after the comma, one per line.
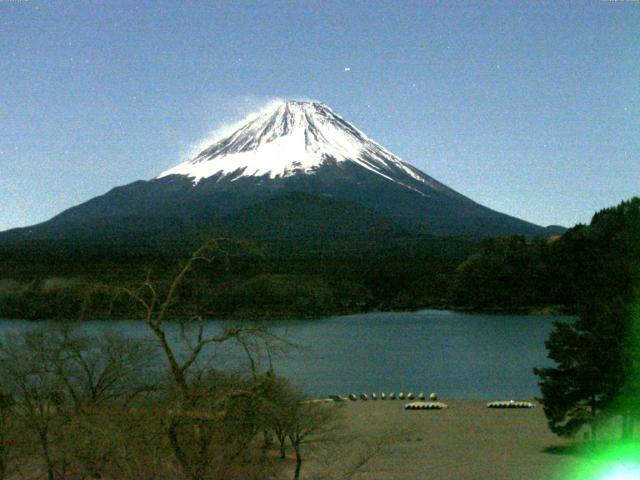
(589,374)
(597,372)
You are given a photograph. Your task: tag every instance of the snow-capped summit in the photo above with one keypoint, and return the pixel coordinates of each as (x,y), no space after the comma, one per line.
(293,138)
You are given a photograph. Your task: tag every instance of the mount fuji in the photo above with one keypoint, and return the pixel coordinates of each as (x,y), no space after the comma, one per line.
(292,139)
(296,170)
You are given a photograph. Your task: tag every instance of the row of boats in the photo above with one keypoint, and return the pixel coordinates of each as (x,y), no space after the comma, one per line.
(392,396)
(440,405)
(509,404)
(432,404)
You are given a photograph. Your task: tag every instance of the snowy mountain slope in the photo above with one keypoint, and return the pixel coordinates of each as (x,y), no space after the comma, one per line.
(296,138)
(294,147)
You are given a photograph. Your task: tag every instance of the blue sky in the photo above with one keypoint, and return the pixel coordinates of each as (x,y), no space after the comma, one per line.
(531,108)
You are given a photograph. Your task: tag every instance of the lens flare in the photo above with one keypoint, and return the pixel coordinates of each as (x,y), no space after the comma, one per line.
(620,461)
(624,471)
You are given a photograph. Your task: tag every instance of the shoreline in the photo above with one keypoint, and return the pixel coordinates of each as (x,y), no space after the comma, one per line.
(544,310)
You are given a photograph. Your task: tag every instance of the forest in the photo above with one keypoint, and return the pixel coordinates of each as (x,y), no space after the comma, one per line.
(244,280)
(271,279)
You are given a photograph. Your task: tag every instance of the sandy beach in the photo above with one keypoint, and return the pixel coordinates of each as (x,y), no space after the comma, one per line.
(467,441)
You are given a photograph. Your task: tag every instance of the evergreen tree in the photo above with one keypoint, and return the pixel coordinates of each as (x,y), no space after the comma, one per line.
(598,356)
(588,376)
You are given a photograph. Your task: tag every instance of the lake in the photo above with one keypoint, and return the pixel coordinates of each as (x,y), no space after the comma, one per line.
(457,355)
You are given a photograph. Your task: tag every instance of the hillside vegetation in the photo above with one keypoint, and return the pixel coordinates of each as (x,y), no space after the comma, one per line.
(251,280)
(268,277)
(511,273)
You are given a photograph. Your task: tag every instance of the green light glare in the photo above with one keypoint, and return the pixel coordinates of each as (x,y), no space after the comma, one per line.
(616,462)
(624,471)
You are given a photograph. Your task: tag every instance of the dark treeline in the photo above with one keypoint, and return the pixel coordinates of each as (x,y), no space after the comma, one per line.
(516,274)
(512,273)
(249,280)
(263,279)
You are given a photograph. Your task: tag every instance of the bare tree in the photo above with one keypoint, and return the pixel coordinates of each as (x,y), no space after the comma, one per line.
(196,420)
(61,381)
(101,375)
(27,369)
(308,423)
(314,430)
(7,430)
(96,370)
(157,307)
(344,456)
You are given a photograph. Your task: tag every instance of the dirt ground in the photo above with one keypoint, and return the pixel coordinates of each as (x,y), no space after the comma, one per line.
(465,442)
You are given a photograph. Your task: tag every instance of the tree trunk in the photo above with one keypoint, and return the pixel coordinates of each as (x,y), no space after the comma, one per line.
(44,443)
(283,448)
(268,440)
(3,467)
(178,452)
(177,372)
(296,475)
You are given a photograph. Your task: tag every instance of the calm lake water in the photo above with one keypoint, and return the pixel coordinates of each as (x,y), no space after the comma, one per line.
(455,354)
